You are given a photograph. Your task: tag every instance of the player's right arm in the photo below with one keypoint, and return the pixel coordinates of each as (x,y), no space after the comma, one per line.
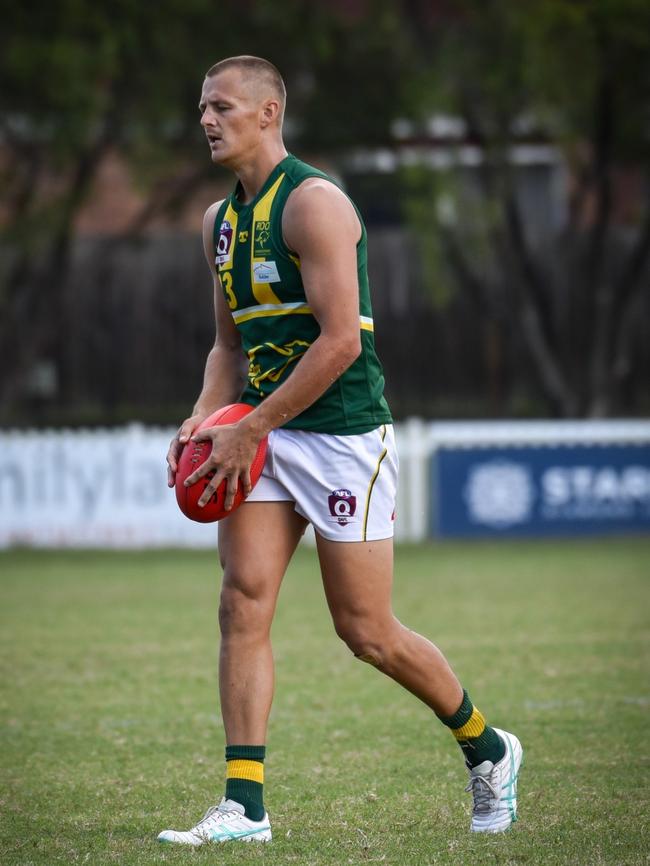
(225,366)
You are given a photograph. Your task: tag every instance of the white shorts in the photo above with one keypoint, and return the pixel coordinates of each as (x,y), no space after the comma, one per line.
(345,486)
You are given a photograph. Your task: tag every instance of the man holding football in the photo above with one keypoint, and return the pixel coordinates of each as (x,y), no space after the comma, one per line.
(294,339)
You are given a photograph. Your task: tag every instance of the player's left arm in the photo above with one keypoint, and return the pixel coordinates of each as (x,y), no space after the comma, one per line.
(321,225)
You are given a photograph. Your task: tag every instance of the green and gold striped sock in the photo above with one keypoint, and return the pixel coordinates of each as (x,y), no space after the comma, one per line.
(478,741)
(245,778)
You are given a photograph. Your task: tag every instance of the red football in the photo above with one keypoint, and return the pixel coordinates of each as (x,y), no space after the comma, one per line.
(195,453)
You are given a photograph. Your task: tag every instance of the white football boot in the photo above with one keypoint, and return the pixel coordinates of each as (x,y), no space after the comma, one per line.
(494,789)
(222,823)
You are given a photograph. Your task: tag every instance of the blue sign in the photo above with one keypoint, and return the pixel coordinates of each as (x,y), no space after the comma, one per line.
(528,491)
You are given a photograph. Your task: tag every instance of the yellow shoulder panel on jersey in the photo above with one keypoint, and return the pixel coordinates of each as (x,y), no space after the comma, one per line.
(260,247)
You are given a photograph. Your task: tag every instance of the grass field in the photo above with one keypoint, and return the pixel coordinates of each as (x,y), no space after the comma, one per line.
(110,724)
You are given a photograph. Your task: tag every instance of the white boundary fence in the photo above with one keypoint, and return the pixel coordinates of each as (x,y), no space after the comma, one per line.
(107,488)
(419,441)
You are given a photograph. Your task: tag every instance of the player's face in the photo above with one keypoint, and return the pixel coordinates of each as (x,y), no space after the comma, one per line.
(230,116)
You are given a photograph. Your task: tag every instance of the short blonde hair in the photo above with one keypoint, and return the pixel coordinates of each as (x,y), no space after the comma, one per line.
(254,67)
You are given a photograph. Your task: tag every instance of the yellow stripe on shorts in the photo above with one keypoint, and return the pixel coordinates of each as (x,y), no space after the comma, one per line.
(372,483)
(472,728)
(242,769)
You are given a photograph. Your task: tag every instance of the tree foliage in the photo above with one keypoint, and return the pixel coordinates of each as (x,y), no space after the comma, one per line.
(574,74)
(80,80)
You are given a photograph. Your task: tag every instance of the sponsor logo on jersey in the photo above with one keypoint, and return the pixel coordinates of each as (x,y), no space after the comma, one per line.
(262,238)
(265,272)
(342,505)
(268,362)
(224,243)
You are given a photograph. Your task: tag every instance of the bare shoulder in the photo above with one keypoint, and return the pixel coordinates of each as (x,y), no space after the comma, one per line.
(210,215)
(318,206)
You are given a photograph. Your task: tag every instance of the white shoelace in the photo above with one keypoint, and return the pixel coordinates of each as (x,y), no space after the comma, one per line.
(483,792)
(214,815)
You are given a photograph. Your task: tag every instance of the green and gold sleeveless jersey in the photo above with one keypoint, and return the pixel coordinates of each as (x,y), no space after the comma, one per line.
(261,281)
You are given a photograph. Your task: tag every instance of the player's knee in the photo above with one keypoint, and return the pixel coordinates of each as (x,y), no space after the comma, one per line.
(363,639)
(240,613)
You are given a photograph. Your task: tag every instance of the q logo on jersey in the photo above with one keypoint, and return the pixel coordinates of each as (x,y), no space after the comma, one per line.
(224,243)
(342,506)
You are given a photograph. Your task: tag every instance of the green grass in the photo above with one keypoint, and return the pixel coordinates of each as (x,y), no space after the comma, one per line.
(110,724)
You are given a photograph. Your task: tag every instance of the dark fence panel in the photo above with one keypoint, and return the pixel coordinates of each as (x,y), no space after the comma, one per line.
(139,322)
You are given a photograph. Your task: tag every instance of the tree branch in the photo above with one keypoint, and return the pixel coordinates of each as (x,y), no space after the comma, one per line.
(628,287)
(35,286)
(548,368)
(474,287)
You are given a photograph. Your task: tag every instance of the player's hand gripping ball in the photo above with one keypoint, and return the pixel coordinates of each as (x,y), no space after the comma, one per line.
(196,453)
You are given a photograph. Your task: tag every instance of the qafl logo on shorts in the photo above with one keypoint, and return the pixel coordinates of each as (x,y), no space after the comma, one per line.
(224,243)
(342,505)
(500,493)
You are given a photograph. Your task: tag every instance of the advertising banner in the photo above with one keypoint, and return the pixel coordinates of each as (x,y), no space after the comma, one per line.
(92,488)
(540,491)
